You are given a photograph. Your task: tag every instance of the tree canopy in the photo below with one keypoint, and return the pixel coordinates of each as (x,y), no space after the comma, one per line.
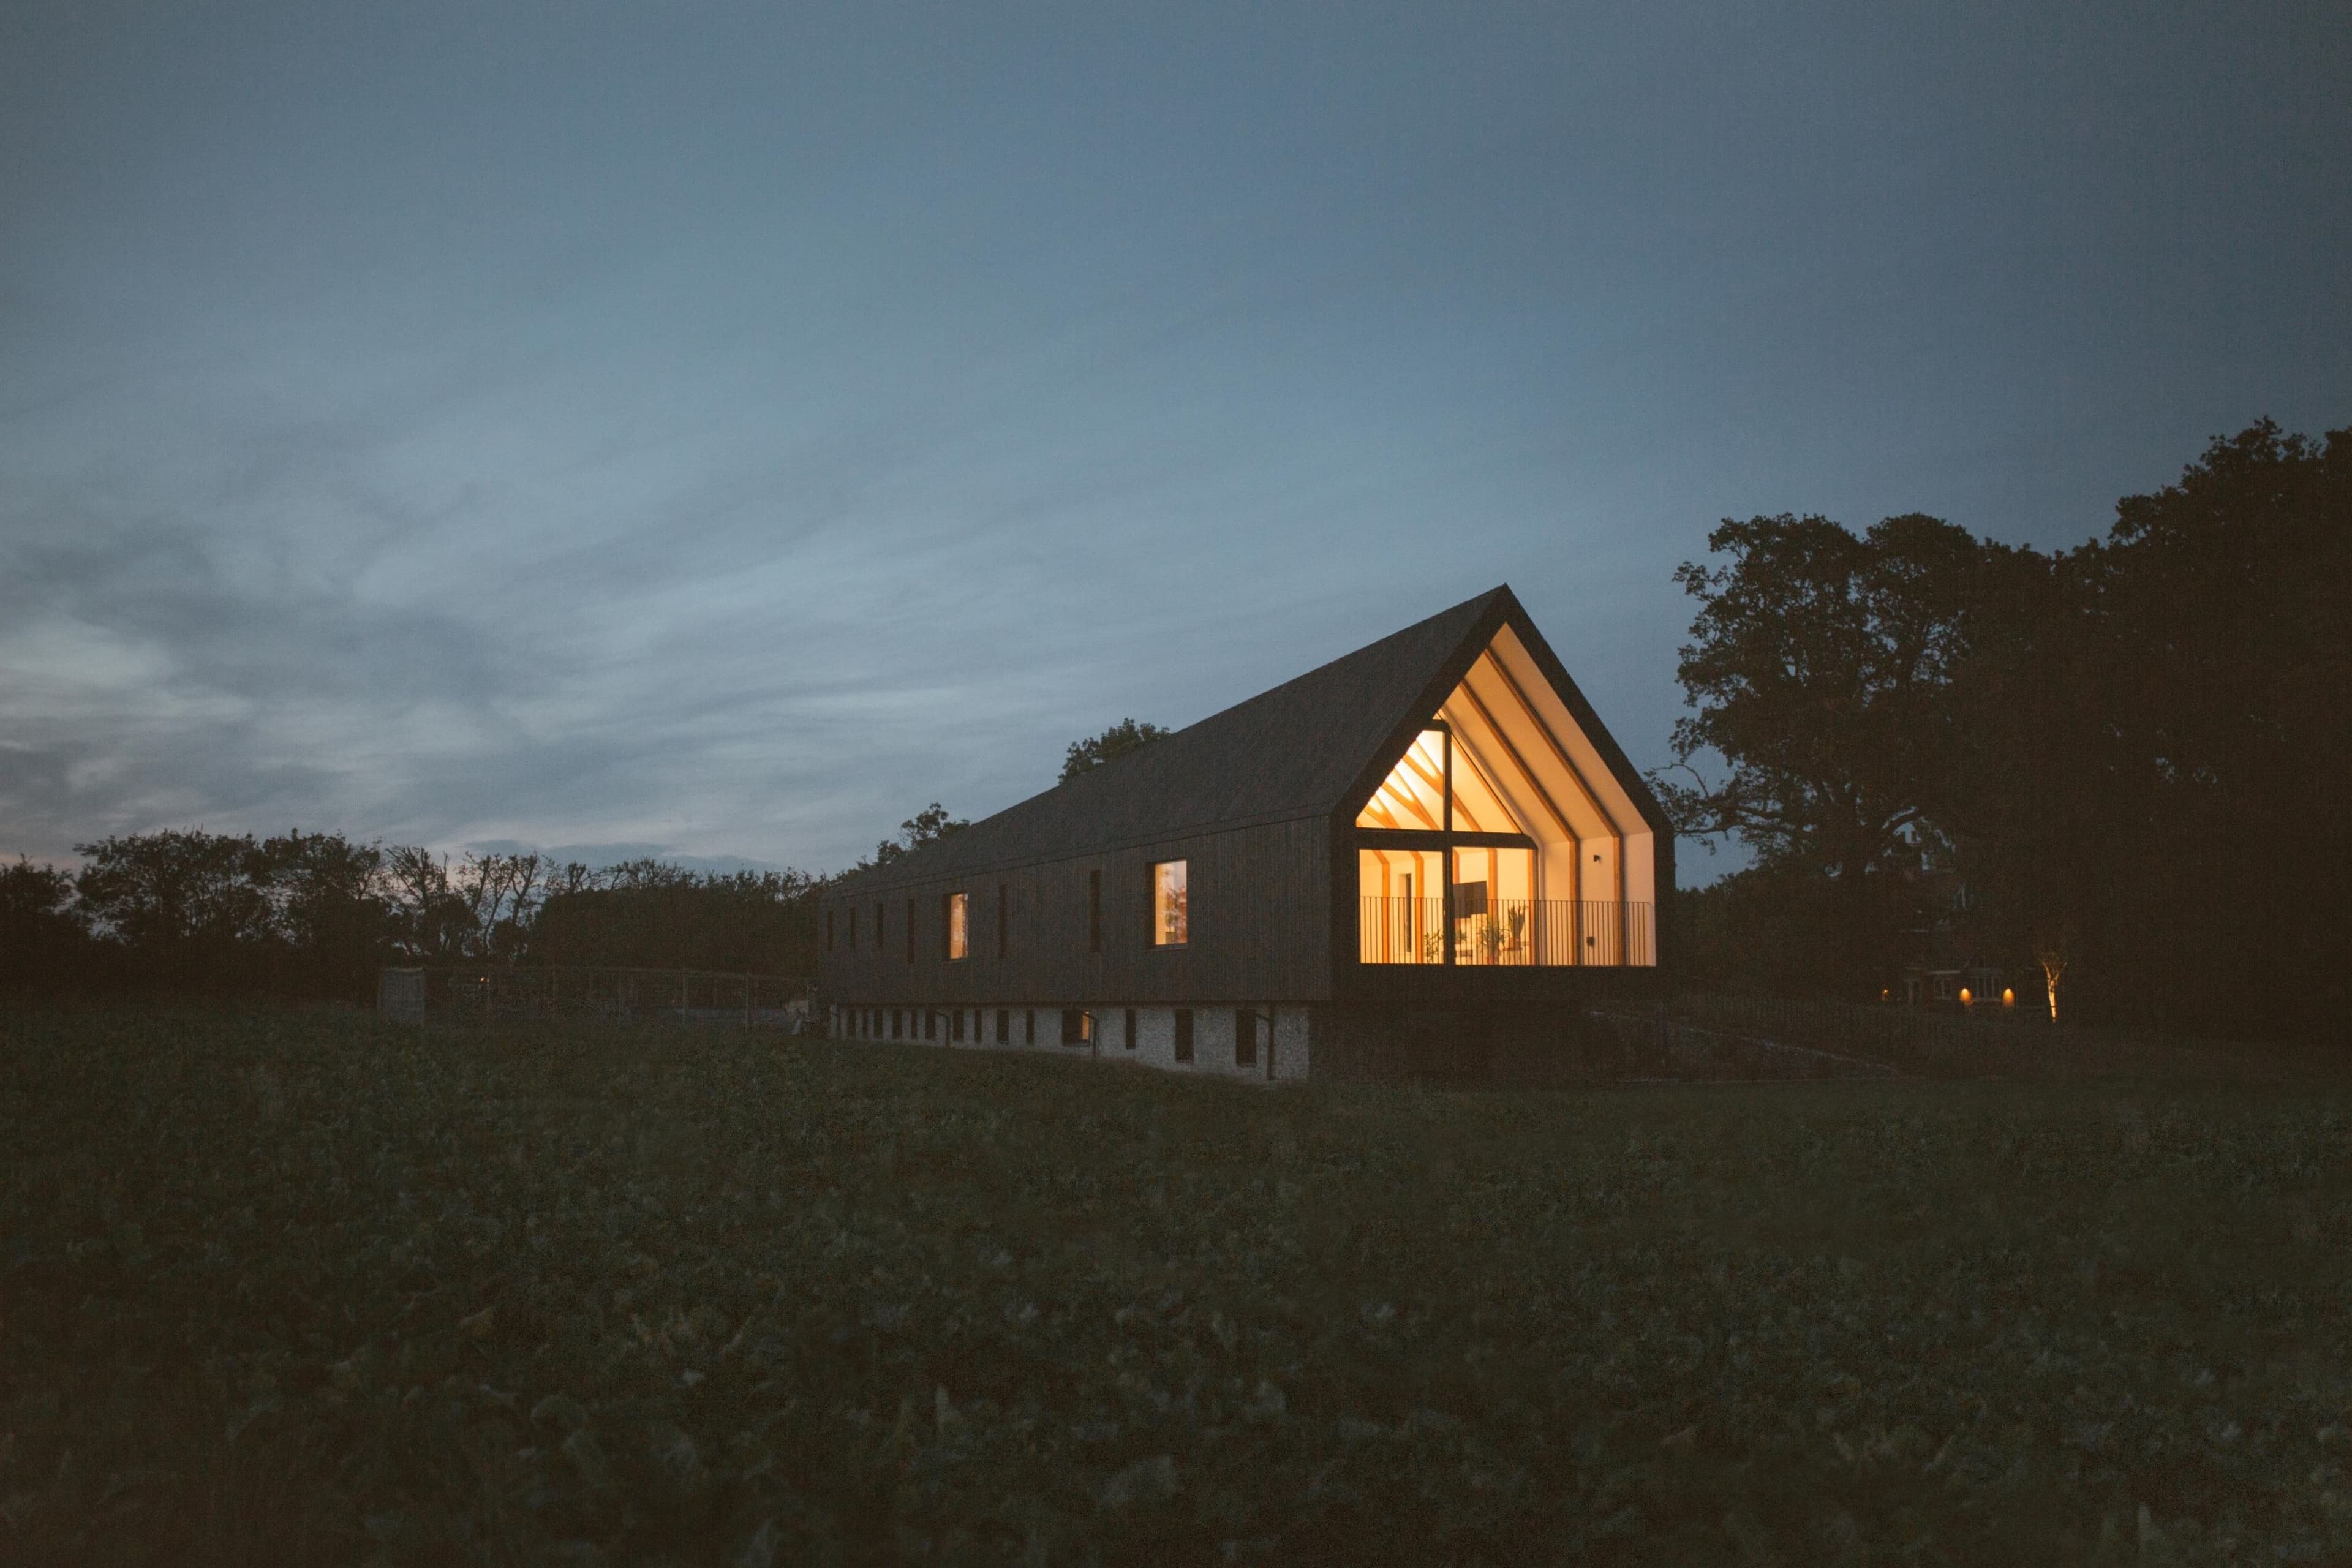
(1127,735)
(2102,764)
(187,911)
(928,825)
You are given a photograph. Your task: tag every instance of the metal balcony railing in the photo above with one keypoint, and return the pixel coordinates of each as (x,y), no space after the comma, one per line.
(1524,932)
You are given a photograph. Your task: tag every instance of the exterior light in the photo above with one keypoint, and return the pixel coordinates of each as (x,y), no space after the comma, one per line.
(2008,996)
(1965,998)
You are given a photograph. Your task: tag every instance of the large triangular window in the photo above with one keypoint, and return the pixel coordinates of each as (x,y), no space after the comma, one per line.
(1498,836)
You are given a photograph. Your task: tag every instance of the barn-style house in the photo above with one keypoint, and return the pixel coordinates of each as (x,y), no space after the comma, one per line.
(1425,846)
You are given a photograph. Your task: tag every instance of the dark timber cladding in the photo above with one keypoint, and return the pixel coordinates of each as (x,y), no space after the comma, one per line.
(1260,801)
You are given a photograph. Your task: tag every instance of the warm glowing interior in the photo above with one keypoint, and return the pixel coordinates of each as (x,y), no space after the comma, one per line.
(1413,796)
(1580,891)
(1171,919)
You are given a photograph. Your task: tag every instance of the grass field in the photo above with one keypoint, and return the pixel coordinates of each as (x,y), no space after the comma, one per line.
(289,1288)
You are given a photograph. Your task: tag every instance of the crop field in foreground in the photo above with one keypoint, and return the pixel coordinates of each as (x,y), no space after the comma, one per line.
(282,1287)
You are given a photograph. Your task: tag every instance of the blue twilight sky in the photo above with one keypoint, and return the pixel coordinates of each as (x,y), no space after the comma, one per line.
(717,430)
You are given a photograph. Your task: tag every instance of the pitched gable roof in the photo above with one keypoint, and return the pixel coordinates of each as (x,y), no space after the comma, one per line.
(1303,749)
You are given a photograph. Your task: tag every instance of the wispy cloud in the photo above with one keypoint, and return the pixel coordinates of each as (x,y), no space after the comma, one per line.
(721,440)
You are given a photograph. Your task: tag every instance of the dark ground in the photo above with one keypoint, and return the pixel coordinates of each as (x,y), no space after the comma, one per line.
(299,1287)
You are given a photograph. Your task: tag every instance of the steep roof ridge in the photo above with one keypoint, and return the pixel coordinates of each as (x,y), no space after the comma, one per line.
(1320,729)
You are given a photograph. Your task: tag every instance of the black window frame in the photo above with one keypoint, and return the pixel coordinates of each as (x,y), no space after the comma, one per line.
(1244,1037)
(1183,1040)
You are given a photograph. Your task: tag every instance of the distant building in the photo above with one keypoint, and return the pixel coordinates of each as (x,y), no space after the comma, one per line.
(1419,851)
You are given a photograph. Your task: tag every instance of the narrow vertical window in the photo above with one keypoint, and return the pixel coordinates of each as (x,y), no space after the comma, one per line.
(1004,1026)
(959,936)
(898,1024)
(955,1026)
(1171,910)
(931,1025)
(1244,1037)
(1029,1028)
(1094,912)
(1131,1028)
(1183,1034)
(1003,920)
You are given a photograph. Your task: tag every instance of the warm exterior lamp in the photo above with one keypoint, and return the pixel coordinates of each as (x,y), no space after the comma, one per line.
(1964,997)
(2008,996)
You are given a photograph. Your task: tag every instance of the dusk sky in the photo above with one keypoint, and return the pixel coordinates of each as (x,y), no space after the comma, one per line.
(717,431)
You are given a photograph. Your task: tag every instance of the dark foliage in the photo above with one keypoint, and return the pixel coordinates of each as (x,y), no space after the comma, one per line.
(647,915)
(2110,763)
(928,825)
(1113,743)
(190,913)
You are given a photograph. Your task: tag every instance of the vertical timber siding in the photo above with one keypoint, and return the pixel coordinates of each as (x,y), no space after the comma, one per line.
(1260,911)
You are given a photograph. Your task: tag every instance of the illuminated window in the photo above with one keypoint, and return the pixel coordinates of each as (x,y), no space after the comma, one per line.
(958,925)
(1169,919)
(1077,1026)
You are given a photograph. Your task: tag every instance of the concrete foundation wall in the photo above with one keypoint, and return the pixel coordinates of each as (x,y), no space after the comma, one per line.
(1284,1053)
